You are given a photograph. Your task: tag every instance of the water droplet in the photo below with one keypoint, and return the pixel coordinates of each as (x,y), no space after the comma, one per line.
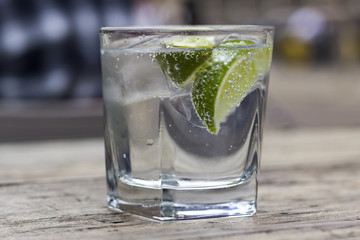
(177,66)
(149,142)
(124,155)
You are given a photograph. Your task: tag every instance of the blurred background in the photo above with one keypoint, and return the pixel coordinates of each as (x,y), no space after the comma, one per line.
(50,79)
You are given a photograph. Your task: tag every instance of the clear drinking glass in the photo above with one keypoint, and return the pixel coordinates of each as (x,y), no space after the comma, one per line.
(183,113)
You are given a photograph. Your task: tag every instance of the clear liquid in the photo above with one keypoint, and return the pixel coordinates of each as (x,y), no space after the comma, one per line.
(161,161)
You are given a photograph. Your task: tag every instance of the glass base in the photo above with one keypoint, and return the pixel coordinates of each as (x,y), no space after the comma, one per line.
(179,203)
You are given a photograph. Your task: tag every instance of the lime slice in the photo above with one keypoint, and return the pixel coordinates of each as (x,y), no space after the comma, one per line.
(224,80)
(179,66)
(192,42)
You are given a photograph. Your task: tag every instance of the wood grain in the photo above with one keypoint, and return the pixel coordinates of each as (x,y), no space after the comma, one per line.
(309,189)
(51,159)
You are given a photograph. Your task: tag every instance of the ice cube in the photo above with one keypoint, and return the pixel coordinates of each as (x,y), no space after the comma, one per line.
(149,43)
(142,42)
(181,101)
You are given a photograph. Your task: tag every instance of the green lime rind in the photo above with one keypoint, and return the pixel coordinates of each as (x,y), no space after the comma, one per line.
(225,79)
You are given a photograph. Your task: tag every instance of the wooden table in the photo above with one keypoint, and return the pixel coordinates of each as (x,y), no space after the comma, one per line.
(309,189)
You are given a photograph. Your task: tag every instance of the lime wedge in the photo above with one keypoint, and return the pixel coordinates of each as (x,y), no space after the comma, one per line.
(179,66)
(225,78)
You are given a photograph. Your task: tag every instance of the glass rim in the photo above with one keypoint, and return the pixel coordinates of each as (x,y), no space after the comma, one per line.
(182,28)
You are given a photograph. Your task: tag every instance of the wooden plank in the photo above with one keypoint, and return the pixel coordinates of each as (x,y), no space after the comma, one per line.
(51,159)
(295,205)
(309,189)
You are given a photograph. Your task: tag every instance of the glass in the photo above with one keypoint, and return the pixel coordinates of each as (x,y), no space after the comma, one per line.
(183,114)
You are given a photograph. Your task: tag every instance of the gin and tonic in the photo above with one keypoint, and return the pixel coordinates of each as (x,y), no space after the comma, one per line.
(183,113)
